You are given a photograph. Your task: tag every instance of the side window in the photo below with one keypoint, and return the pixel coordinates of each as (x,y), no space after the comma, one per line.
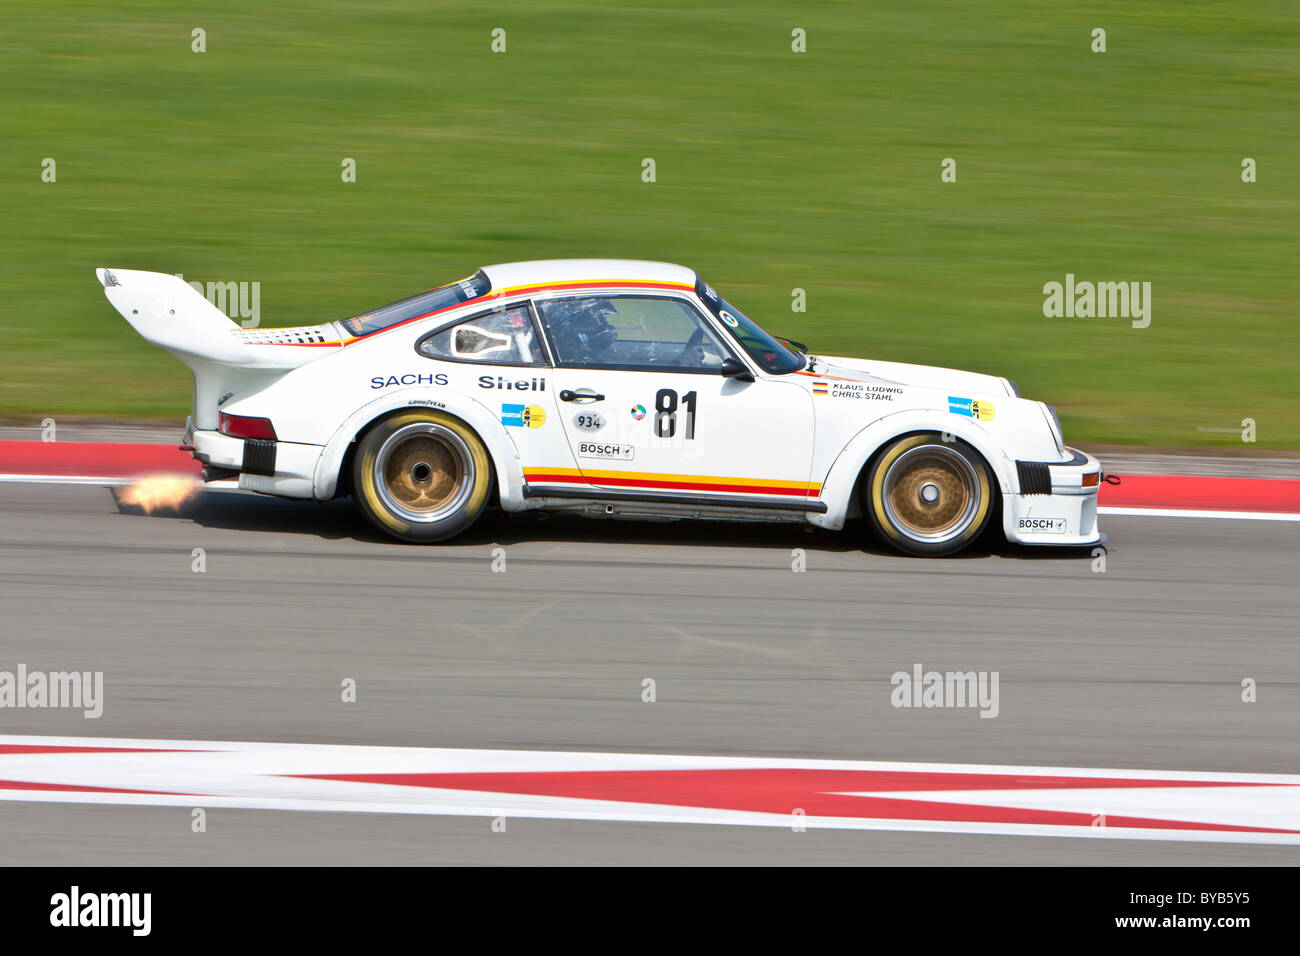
(502,337)
(632,332)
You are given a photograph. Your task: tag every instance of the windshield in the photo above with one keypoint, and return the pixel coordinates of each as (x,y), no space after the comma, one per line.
(762,348)
(419,306)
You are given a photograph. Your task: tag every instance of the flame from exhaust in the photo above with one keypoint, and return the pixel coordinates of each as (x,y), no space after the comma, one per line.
(160,492)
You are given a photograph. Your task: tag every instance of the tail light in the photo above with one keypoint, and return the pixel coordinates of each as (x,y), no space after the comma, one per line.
(242,426)
(1091,480)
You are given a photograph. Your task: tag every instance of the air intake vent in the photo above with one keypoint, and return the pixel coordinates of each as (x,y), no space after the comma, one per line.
(304,335)
(259,457)
(1034,477)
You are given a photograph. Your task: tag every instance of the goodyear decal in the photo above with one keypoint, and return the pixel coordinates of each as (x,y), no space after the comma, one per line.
(521,416)
(971,408)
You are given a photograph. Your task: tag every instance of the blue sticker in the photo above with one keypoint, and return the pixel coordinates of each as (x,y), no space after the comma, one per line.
(972,408)
(517,416)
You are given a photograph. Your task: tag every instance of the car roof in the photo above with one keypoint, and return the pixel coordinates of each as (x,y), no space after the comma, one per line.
(539,272)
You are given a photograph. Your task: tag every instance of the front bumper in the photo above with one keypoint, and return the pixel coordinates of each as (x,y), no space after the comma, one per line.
(271,467)
(1055,503)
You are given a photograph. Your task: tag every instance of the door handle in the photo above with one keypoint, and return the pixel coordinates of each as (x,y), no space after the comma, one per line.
(586,395)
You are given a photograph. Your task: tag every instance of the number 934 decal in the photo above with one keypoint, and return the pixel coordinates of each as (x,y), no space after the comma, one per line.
(589,421)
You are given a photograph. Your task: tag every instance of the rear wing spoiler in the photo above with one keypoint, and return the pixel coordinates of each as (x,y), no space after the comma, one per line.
(168,312)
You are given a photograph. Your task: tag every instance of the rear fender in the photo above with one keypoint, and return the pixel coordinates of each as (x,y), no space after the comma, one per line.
(505,457)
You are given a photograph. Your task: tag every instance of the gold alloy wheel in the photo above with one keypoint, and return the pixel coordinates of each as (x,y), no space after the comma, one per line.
(931,493)
(424,472)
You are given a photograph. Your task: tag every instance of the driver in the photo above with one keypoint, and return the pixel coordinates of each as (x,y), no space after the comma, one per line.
(583,334)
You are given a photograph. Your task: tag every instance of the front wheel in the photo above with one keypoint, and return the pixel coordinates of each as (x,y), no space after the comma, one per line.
(927,496)
(421,476)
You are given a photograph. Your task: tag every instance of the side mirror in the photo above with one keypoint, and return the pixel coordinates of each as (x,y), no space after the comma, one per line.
(735,368)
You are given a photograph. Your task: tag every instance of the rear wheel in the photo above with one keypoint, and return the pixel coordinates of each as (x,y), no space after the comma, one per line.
(421,476)
(928,496)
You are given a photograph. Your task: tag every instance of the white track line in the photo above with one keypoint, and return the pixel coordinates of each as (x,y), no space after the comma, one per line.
(104,482)
(66,480)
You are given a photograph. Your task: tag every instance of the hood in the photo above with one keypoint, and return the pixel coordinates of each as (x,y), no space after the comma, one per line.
(920,376)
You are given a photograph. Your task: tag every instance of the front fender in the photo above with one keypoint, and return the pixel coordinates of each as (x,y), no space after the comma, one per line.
(505,456)
(842,479)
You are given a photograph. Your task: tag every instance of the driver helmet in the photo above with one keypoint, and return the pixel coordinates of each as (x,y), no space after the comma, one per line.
(585,333)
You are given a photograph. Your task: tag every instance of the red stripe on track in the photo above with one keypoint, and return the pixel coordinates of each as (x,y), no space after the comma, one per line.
(73,788)
(100,459)
(1196,492)
(818,793)
(15,749)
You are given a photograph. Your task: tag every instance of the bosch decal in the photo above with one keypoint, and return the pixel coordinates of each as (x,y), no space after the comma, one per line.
(1043,525)
(587,449)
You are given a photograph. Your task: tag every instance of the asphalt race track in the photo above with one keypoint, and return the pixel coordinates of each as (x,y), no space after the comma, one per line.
(1139,666)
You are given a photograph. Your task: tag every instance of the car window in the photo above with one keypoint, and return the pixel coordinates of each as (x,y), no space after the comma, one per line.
(774,354)
(630,332)
(419,306)
(501,337)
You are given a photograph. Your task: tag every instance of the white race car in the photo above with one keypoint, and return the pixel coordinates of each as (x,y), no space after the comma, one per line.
(607,387)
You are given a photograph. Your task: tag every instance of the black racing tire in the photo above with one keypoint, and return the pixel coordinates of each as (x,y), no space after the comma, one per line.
(927,496)
(421,475)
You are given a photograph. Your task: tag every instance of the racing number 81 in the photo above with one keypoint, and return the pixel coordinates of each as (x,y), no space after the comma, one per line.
(666,413)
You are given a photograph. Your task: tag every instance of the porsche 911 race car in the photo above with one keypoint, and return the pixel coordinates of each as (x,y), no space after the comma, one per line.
(607,387)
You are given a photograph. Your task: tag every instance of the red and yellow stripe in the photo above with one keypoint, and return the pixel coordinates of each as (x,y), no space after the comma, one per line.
(591,284)
(646,479)
(498,294)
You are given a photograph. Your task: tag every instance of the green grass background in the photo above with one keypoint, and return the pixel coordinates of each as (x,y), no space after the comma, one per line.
(775,170)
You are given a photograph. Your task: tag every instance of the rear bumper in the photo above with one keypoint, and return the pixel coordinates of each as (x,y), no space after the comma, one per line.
(1053,506)
(272,467)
